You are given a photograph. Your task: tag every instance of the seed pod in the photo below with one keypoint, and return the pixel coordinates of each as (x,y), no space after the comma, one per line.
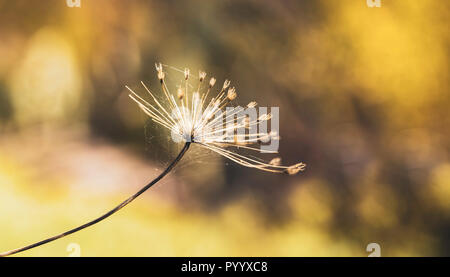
(212,81)
(251,104)
(201,75)
(161,74)
(231,94)
(226,84)
(294,169)
(180,93)
(275,161)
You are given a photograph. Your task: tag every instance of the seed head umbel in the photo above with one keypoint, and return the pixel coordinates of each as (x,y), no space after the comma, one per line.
(191,114)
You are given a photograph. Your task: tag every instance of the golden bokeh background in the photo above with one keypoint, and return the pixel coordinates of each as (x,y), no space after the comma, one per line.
(364,101)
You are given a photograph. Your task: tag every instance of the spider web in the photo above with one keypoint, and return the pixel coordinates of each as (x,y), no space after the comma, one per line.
(159,144)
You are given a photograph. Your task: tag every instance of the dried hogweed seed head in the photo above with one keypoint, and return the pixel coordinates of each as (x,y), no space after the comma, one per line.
(201,75)
(212,81)
(206,126)
(231,94)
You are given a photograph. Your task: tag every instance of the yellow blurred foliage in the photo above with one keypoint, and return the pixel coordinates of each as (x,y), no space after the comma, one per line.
(363,94)
(45,85)
(154,227)
(440,185)
(312,203)
(377,205)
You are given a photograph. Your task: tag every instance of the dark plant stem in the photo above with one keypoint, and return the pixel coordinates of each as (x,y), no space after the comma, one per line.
(111,212)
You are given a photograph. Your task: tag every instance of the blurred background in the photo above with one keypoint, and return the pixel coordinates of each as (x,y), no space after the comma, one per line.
(364,102)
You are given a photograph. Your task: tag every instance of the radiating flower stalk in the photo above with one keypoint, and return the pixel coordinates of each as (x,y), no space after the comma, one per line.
(192,117)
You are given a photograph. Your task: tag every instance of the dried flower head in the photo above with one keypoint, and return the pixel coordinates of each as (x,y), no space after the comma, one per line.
(251,104)
(160,72)
(180,93)
(212,81)
(226,84)
(275,161)
(201,76)
(294,169)
(231,94)
(191,115)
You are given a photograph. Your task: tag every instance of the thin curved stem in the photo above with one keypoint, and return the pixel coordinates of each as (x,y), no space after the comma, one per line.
(104,216)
